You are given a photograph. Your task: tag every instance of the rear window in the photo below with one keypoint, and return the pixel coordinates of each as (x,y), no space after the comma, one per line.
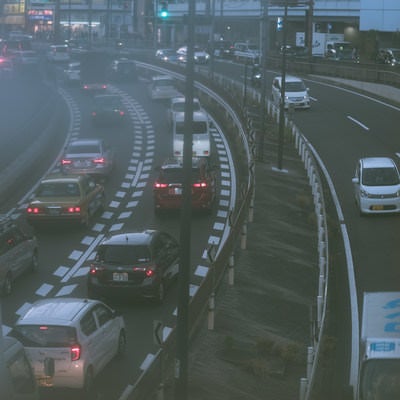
(121,254)
(380,177)
(83,148)
(45,335)
(175,175)
(61,189)
(199,127)
(295,86)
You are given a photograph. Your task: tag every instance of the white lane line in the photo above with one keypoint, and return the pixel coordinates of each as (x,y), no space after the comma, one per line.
(82,259)
(358,123)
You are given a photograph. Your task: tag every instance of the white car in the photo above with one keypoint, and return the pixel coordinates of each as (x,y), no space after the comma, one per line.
(296,92)
(162,87)
(72,74)
(201,134)
(68,341)
(199,54)
(377,185)
(177,105)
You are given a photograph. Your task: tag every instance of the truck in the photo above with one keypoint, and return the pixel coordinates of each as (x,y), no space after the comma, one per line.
(320,41)
(379,364)
(94,71)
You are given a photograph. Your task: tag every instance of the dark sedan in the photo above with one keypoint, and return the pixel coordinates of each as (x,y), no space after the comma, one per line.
(108,109)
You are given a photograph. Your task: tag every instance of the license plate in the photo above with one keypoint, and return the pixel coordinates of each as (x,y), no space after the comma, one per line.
(175,191)
(120,276)
(377,208)
(81,163)
(54,211)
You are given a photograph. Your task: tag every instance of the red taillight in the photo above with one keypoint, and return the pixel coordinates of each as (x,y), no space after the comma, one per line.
(100,160)
(66,162)
(74,209)
(95,269)
(159,185)
(148,271)
(104,86)
(75,352)
(33,210)
(94,114)
(121,113)
(200,184)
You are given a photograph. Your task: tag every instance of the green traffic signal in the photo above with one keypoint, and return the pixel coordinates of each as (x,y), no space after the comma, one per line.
(164,10)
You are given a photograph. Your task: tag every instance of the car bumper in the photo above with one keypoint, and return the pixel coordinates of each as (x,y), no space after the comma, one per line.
(171,203)
(379,206)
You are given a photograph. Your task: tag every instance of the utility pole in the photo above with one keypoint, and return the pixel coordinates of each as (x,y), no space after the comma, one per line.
(182,339)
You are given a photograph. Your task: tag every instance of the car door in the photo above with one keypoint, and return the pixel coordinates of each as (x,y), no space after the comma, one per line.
(167,250)
(357,182)
(109,332)
(92,195)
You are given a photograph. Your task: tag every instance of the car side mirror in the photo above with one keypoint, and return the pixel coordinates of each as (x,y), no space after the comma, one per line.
(355,180)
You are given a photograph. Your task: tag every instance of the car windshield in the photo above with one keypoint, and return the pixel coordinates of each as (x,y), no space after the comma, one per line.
(84,149)
(380,177)
(163,83)
(107,101)
(180,106)
(295,86)
(199,127)
(123,254)
(45,335)
(176,175)
(58,189)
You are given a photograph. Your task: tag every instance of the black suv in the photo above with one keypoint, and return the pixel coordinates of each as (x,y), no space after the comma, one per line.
(18,253)
(134,264)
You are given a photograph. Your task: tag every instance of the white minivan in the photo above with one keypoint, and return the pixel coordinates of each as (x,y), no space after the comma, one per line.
(201,134)
(296,92)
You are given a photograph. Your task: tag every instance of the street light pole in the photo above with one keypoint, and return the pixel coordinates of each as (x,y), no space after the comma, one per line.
(283,90)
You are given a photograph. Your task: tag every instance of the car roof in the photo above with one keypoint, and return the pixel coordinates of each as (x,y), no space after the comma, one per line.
(76,142)
(55,311)
(177,162)
(59,177)
(199,115)
(130,238)
(377,162)
(289,78)
(162,77)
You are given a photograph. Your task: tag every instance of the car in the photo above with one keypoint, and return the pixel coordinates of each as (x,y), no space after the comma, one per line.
(25,60)
(177,104)
(93,88)
(388,56)
(91,156)
(199,54)
(77,47)
(201,143)
(16,375)
(124,70)
(167,189)
(139,264)
(108,109)
(376,185)
(245,51)
(221,48)
(72,74)
(256,75)
(296,92)
(162,87)
(19,251)
(6,68)
(167,55)
(65,198)
(58,53)
(69,341)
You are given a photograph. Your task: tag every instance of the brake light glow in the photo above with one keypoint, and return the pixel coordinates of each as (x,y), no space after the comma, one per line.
(33,210)
(94,269)
(94,114)
(74,209)
(104,86)
(148,271)
(75,352)
(200,185)
(159,185)
(100,160)
(121,113)
(66,162)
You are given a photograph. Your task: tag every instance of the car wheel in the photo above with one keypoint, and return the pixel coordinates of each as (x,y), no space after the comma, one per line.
(121,344)
(88,390)
(7,285)
(34,262)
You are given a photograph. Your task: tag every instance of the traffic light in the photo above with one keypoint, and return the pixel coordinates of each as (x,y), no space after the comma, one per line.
(164,10)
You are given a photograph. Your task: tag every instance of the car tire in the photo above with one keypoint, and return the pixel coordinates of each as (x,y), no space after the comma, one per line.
(88,390)
(34,262)
(121,349)
(7,285)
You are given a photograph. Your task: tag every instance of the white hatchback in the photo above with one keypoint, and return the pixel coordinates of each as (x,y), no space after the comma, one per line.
(177,105)
(68,341)
(162,87)
(377,185)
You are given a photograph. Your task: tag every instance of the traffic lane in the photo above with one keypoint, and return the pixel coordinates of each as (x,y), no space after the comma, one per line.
(340,143)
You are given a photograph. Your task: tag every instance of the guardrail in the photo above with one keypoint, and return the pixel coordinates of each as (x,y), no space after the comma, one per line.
(161,366)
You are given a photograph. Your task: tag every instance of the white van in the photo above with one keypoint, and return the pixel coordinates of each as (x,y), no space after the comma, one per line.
(201,134)
(296,92)
(17,375)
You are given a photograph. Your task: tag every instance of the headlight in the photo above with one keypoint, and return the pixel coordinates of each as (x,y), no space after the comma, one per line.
(364,193)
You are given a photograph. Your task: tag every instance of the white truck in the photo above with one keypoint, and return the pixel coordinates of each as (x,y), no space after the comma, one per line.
(320,41)
(379,366)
